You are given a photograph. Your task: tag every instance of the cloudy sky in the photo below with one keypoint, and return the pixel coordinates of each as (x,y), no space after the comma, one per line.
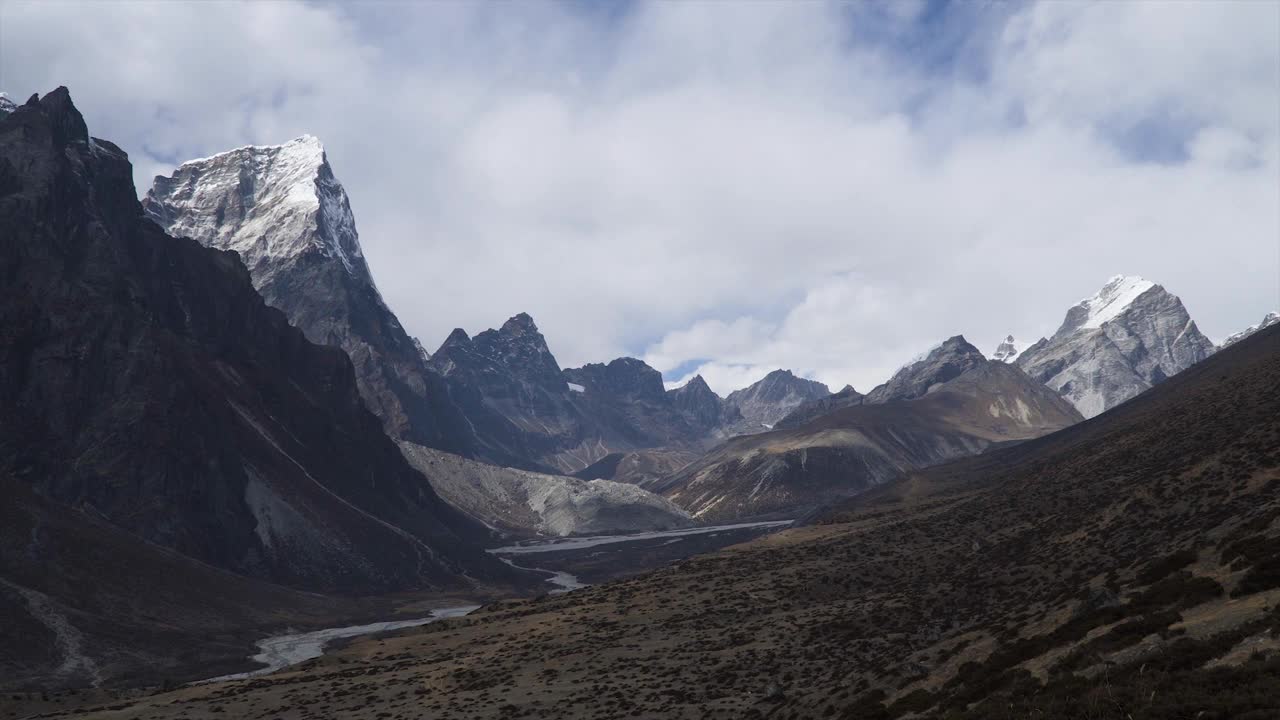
(728,187)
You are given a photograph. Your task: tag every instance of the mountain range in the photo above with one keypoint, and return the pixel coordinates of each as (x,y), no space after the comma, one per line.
(209,407)
(1123,567)
(951,403)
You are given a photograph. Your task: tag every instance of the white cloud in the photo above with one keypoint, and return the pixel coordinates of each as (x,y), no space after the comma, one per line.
(743,186)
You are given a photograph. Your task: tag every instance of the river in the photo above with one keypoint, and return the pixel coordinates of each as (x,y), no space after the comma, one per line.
(280,651)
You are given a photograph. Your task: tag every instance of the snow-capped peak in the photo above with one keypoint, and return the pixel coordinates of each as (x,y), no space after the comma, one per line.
(270,203)
(1007,351)
(1271,318)
(1107,304)
(6,104)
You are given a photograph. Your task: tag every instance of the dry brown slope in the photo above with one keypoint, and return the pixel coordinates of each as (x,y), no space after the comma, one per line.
(792,470)
(1142,545)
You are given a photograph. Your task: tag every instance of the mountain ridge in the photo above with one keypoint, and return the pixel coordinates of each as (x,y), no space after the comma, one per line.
(145,380)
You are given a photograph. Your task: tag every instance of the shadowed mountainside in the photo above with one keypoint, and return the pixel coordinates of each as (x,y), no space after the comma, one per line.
(144,381)
(1123,568)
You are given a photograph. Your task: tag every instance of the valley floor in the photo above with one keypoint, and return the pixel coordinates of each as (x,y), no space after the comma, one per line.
(569,564)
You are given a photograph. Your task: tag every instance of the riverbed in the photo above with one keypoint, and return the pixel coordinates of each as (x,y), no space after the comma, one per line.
(559,555)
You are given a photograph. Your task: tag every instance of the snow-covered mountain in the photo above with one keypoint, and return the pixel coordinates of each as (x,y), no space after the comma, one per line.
(1007,350)
(1271,318)
(6,105)
(1113,345)
(282,209)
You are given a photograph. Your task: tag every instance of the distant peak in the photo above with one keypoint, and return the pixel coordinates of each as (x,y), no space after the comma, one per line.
(1271,318)
(1007,350)
(457,337)
(696,384)
(519,323)
(954,345)
(1119,292)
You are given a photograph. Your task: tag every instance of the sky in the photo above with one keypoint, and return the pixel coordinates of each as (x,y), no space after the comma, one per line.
(728,188)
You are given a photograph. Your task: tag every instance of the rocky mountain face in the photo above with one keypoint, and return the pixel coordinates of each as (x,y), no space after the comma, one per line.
(703,407)
(767,401)
(523,503)
(846,397)
(282,209)
(1130,336)
(527,412)
(953,403)
(944,362)
(144,382)
(1007,350)
(1271,318)
(512,392)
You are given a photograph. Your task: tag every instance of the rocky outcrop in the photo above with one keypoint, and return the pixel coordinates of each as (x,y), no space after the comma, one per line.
(1131,335)
(144,381)
(282,209)
(530,504)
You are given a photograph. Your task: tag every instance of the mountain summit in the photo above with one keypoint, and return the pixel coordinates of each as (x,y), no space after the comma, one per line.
(282,209)
(1007,350)
(270,203)
(1271,318)
(1113,345)
(917,378)
(773,397)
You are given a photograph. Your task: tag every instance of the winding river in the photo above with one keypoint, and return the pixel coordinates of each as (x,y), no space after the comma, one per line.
(281,651)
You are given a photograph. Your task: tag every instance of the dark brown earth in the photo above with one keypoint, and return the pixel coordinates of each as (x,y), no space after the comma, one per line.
(1123,568)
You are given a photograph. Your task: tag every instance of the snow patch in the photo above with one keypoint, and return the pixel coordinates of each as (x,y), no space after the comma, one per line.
(1007,351)
(576,387)
(1113,299)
